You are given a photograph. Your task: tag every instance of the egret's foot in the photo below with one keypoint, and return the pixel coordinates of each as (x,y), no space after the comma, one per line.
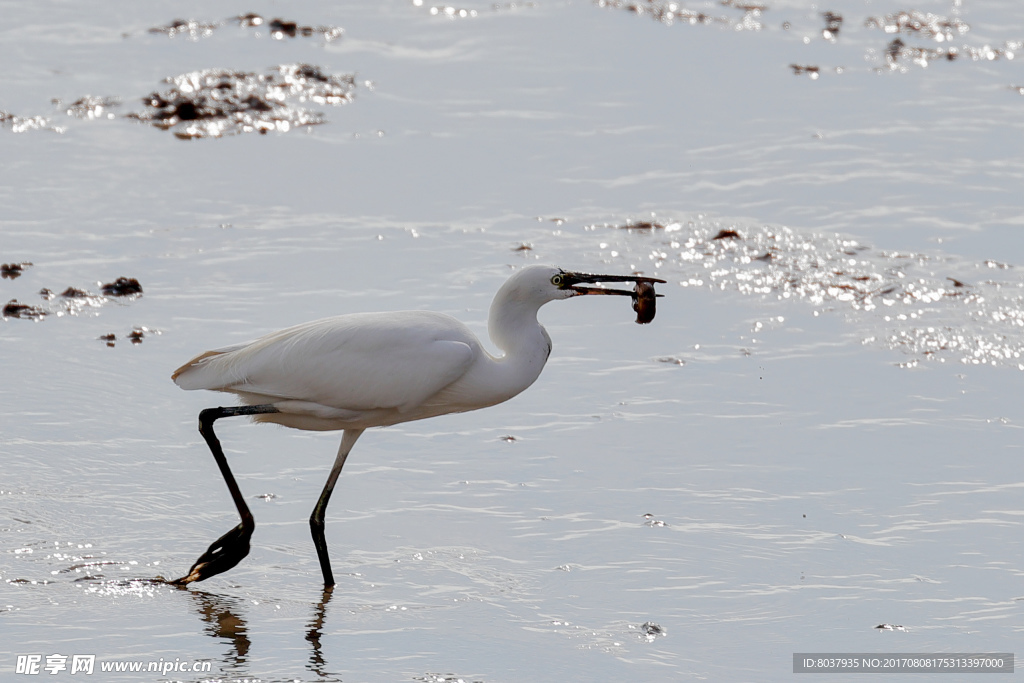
(222,555)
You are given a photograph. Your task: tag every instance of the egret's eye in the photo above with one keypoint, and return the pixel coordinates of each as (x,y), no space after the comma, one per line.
(556,280)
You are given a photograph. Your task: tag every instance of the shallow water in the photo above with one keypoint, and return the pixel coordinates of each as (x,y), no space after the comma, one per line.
(814,461)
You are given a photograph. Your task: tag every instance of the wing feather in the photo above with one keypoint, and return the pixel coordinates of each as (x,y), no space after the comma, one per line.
(361,361)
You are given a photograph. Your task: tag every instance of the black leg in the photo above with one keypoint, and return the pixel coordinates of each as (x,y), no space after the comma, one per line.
(316,520)
(232,547)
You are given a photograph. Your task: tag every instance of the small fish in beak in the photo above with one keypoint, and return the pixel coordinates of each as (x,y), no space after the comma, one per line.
(643,293)
(644,299)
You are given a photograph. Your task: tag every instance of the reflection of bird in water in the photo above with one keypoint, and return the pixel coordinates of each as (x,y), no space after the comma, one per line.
(316,626)
(223,622)
(365,370)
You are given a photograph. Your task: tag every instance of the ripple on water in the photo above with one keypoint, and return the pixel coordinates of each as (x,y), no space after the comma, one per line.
(446,678)
(63,561)
(616,637)
(452,12)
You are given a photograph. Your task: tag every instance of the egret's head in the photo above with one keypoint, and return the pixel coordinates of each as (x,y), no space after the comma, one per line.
(516,304)
(547,283)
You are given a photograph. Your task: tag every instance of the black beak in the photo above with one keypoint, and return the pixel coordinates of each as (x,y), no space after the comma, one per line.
(574,280)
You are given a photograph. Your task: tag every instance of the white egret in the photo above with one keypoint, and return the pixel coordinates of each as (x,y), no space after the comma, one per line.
(361,370)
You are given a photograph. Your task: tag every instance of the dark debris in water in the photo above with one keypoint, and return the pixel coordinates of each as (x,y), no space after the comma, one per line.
(12,271)
(90,107)
(122,286)
(29,582)
(277,28)
(15,309)
(897,52)
(217,102)
(833,23)
(74,300)
(915,22)
(652,629)
(282,28)
(644,226)
(897,55)
(651,521)
(136,336)
(891,627)
(190,28)
(249,20)
(649,631)
(806,70)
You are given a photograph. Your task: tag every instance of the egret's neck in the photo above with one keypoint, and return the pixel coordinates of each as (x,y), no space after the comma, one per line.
(523,343)
(514,329)
(513,326)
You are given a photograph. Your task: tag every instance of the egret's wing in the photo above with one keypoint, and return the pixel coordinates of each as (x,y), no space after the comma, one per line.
(353,362)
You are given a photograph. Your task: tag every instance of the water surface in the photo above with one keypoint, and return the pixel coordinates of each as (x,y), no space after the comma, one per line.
(779,463)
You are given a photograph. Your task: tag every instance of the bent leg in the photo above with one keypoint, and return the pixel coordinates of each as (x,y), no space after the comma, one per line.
(228,550)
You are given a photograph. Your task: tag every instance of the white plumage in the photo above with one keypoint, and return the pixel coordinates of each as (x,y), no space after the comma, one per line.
(372,369)
(356,370)
(363,370)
